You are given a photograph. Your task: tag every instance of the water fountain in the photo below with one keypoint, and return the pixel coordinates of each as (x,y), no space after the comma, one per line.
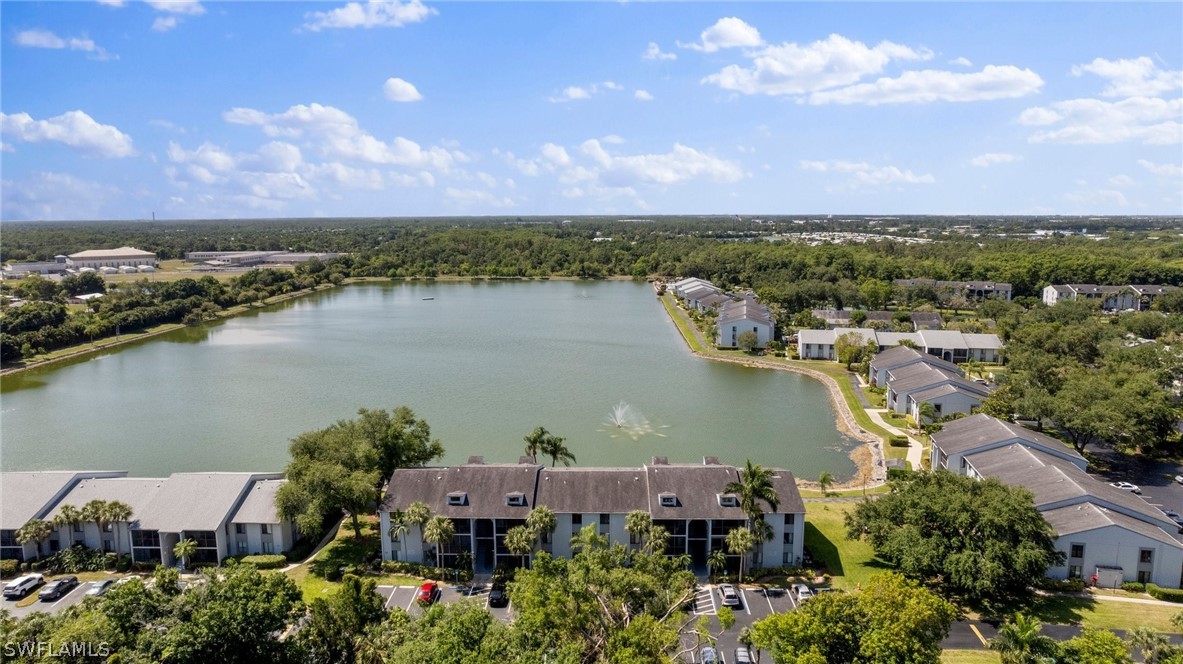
(625,420)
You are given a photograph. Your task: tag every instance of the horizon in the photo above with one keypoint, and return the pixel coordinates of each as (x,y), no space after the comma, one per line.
(113,110)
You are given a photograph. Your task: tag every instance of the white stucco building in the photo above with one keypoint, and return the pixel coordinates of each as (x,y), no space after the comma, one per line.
(116,258)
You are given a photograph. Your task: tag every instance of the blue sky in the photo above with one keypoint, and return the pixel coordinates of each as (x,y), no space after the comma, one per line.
(265,109)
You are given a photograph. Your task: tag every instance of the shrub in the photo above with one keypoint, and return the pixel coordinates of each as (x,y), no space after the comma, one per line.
(898,473)
(1133,587)
(110,560)
(1165,594)
(142,566)
(266,561)
(37,565)
(1061,585)
(9,567)
(124,564)
(898,441)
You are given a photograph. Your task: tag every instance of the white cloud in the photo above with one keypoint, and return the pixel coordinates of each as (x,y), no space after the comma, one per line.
(47,39)
(420,179)
(337,135)
(1170,170)
(961,61)
(865,174)
(1149,120)
(729,32)
(609,85)
(680,164)
(54,196)
(476,197)
(1122,181)
(397,89)
(192,7)
(489,180)
(580,92)
(991,158)
(1138,77)
(112,3)
(74,129)
(643,95)
(794,69)
(1100,197)
(993,82)
(371,14)
(556,155)
(164,23)
(612,139)
(654,52)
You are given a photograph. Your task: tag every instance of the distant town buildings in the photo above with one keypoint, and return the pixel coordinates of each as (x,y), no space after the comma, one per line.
(1113,298)
(225,259)
(225,513)
(486,500)
(950,345)
(974,290)
(1107,535)
(17,270)
(919,320)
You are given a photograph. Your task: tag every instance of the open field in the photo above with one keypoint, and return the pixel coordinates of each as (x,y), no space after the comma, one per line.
(970,657)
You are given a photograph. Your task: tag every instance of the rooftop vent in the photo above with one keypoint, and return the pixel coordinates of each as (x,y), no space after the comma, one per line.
(661,461)
(727,500)
(515,499)
(668,499)
(458,498)
(710,461)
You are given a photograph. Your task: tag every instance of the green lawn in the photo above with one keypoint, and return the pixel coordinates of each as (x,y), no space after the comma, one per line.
(1062,609)
(850,563)
(970,657)
(343,551)
(683,325)
(845,493)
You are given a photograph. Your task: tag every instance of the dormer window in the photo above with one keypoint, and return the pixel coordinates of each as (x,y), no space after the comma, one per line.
(515,499)
(668,499)
(458,498)
(727,500)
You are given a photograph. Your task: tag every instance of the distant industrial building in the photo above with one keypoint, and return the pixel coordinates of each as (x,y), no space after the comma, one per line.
(249,258)
(116,258)
(56,266)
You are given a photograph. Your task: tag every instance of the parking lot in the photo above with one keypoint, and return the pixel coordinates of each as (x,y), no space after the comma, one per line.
(406,598)
(754,604)
(69,599)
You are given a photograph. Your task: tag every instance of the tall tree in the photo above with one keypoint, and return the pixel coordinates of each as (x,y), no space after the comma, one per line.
(519,541)
(398,529)
(439,531)
(637,524)
(118,512)
(824,480)
(534,441)
(555,448)
(34,532)
(1019,641)
(754,487)
(541,521)
(717,561)
(95,511)
(336,624)
(1151,643)
(185,549)
(740,542)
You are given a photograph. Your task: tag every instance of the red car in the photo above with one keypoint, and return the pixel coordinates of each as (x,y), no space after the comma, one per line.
(427,593)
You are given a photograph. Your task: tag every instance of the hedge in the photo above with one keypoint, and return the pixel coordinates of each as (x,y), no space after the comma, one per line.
(1133,587)
(1165,594)
(425,571)
(1061,585)
(898,441)
(265,561)
(9,567)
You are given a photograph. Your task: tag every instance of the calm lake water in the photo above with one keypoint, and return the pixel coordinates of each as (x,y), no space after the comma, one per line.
(484,363)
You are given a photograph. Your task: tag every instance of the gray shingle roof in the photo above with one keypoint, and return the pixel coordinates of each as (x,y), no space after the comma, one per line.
(485,484)
(1087,516)
(259,504)
(945,339)
(963,387)
(590,490)
(743,310)
(28,495)
(1054,480)
(137,492)
(697,489)
(969,433)
(902,356)
(197,501)
(916,376)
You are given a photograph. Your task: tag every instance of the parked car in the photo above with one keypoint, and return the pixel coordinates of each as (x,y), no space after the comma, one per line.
(1126,486)
(802,591)
(58,587)
(743,656)
(708,655)
(1176,517)
(427,592)
(23,585)
(1179,479)
(101,587)
(730,597)
(497,596)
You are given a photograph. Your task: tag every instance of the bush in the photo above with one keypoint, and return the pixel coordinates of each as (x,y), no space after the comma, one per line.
(1061,585)
(110,560)
(144,566)
(898,473)
(266,561)
(37,565)
(1133,587)
(124,564)
(898,441)
(1165,594)
(9,567)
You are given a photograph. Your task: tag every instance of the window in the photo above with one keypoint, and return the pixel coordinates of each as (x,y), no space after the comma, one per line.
(1075,572)
(787,559)
(78,527)
(108,527)
(266,528)
(1143,577)
(515,499)
(145,538)
(239,529)
(605,519)
(790,519)
(668,499)
(242,546)
(727,500)
(206,539)
(1077,551)
(788,537)
(1146,556)
(268,547)
(457,498)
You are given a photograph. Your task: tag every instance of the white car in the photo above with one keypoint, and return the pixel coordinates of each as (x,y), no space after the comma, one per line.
(1179,479)
(802,591)
(1126,486)
(1174,516)
(730,597)
(23,585)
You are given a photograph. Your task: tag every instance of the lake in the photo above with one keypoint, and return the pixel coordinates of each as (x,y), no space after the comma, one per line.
(483,362)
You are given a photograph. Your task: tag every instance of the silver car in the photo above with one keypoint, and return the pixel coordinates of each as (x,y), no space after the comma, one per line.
(730,597)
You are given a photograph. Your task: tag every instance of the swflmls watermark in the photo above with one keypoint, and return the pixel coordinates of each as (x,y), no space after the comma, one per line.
(40,649)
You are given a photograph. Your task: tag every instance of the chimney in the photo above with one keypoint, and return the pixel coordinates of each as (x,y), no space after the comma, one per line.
(710,461)
(476,460)
(661,461)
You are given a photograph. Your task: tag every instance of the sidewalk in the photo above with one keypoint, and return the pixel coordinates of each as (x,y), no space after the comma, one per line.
(915,447)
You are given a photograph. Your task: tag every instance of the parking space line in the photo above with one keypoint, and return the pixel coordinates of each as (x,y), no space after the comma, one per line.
(67,595)
(769,600)
(744,598)
(393,592)
(978,634)
(791,600)
(412,602)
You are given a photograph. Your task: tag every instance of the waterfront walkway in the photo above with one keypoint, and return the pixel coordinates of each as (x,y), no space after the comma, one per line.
(915,447)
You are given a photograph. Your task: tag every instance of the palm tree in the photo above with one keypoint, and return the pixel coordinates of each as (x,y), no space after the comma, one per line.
(519,541)
(185,549)
(534,441)
(95,511)
(554,448)
(67,516)
(118,512)
(656,539)
(35,532)
(417,514)
(588,539)
(1019,641)
(716,561)
(637,523)
(541,521)
(740,541)
(439,531)
(1152,643)
(824,481)
(754,485)
(398,529)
